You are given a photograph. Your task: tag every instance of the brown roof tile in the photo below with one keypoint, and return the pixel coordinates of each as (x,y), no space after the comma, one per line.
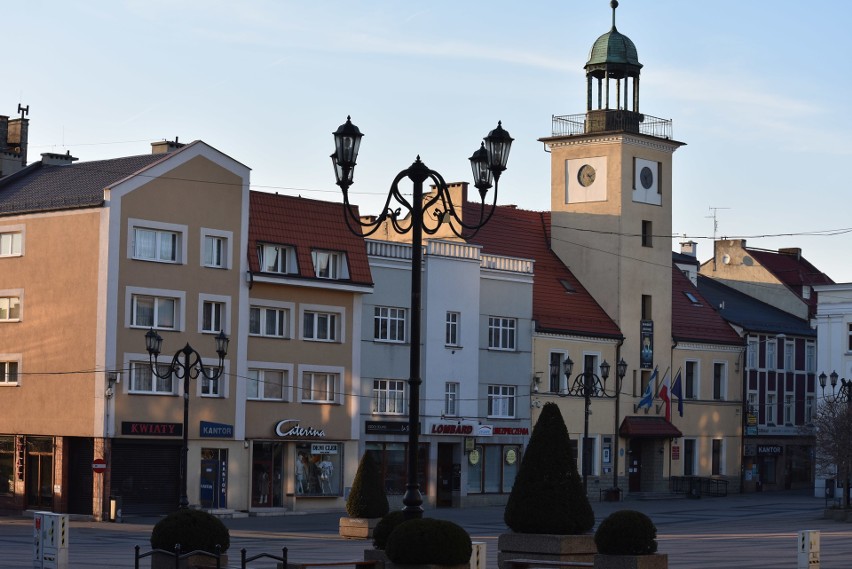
(697,321)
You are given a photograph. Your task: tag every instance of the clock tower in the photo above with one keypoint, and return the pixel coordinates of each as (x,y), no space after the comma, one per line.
(611,188)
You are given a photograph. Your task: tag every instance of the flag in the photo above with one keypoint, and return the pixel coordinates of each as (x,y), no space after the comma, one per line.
(677,391)
(664,395)
(648,396)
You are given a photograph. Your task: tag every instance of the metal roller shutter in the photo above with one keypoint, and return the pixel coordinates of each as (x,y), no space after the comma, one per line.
(145,474)
(80,476)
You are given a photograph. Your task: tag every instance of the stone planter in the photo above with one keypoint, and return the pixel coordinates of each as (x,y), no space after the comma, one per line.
(358,528)
(391,565)
(165,561)
(545,547)
(655,561)
(377,555)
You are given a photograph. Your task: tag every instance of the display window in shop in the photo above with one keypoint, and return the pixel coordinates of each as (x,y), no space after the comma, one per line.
(7,465)
(318,469)
(492,469)
(392,461)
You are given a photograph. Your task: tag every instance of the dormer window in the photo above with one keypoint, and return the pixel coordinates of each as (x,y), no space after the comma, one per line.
(329,265)
(276,259)
(692,298)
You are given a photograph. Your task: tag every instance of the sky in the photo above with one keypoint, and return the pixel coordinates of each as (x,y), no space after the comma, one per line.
(758,91)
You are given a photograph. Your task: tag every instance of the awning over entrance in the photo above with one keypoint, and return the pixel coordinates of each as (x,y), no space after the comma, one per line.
(649,428)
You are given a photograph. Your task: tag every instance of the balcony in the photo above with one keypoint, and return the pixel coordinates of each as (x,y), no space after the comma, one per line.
(608,120)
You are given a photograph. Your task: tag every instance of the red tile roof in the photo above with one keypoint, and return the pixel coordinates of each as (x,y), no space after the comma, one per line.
(515,232)
(792,269)
(306,225)
(697,321)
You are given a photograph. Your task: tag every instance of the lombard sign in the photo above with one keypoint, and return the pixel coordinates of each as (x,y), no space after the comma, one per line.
(292,428)
(451,429)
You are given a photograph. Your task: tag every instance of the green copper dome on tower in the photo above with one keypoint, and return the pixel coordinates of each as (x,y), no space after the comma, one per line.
(613,48)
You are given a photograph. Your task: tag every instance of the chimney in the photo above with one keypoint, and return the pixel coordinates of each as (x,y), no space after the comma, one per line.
(17,136)
(51,159)
(4,133)
(166,146)
(792,251)
(689,248)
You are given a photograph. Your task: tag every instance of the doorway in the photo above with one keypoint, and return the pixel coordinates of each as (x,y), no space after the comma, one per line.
(634,466)
(444,495)
(39,479)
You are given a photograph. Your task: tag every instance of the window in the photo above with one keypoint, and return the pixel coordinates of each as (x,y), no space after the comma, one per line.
(647,233)
(452,332)
(810,357)
(720,373)
(495,471)
(319,387)
(211,387)
(10,244)
(501,333)
(269,322)
(689,457)
(153,312)
(789,356)
(156,245)
(320,326)
(717,466)
(143,381)
(10,308)
(751,356)
(789,409)
(276,259)
(558,381)
(810,402)
(8,373)
(752,403)
(329,265)
(588,462)
(215,252)
(212,316)
(7,466)
(389,324)
(849,334)
(451,399)
(266,384)
(389,396)
(501,401)
(771,355)
(690,381)
(647,313)
(770,409)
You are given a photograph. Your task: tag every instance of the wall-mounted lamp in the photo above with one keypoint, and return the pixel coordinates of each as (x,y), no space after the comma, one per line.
(113,377)
(536,381)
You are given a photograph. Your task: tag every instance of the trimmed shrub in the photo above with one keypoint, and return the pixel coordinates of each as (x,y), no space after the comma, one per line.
(193,530)
(626,532)
(428,541)
(548,495)
(367,498)
(385,527)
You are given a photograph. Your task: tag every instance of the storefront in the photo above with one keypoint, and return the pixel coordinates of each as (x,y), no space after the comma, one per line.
(778,464)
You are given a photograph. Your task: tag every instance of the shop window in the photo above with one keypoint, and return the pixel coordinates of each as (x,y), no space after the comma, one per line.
(7,465)
(492,469)
(318,469)
(392,459)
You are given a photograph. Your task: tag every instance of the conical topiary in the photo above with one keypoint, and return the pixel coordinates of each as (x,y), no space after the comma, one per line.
(367,498)
(548,495)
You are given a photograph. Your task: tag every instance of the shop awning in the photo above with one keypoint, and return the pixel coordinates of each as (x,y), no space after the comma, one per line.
(648,428)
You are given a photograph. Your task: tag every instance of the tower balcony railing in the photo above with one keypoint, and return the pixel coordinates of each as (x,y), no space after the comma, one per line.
(611,120)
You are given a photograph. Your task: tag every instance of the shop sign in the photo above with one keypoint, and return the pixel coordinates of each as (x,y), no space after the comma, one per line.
(485,431)
(511,456)
(324,448)
(675,452)
(385,427)
(292,428)
(451,429)
(770,450)
(152,429)
(216,430)
(511,431)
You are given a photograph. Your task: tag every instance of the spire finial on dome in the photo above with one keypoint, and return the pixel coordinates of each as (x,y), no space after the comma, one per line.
(614,5)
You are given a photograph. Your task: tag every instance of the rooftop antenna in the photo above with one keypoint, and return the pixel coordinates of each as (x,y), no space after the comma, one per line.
(23,110)
(715,210)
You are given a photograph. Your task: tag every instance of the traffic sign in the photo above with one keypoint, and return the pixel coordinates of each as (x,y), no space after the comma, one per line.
(98,465)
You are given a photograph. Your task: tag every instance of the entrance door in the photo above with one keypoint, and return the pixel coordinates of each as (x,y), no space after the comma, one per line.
(634,466)
(39,488)
(444,497)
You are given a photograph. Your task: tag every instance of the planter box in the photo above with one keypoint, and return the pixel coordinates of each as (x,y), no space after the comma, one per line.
(358,528)
(655,561)
(545,547)
(391,565)
(164,561)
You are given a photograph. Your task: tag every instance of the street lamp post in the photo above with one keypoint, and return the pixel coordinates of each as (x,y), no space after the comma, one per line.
(488,162)
(186,364)
(588,385)
(844,395)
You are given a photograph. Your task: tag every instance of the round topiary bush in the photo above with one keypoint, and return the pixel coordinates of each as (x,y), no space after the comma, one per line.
(626,532)
(385,527)
(367,498)
(193,530)
(427,541)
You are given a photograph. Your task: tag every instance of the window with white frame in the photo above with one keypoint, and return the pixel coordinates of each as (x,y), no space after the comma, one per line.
(720,375)
(789,355)
(149,311)
(11,244)
(389,396)
(451,337)
(771,355)
(751,355)
(501,333)
(279,259)
(215,251)
(10,308)
(158,245)
(771,411)
(501,401)
(329,265)
(267,384)
(789,408)
(752,402)
(212,386)
(810,404)
(269,321)
(143,381)
(319,387)
(810,357)
(8,372)
(451,399)
(690,380)
(212,316)
(320,326)
(389,324)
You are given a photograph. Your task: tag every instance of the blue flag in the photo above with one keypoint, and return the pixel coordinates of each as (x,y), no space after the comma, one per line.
(648,396)
(677,391)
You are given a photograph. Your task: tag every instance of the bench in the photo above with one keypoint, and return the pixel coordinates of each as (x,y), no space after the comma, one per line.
(546,564)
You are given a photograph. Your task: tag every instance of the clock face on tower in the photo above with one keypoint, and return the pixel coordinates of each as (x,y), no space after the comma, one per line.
(586,175)
(646,177)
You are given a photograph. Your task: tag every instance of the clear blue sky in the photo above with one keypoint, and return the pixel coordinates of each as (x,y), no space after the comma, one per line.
(759,91)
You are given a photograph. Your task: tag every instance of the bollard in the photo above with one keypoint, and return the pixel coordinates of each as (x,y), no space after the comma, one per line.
(808,549)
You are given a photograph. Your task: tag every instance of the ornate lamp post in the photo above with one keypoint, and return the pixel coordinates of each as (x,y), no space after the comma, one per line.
(588,385)
(488,162)
(844,395)
(186,364)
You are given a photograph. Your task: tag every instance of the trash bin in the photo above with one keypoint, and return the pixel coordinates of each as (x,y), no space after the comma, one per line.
(115,509)
(829,488)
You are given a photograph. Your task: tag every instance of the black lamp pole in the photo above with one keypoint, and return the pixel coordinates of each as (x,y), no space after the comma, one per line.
(488,162)
(844,395)
(186,364)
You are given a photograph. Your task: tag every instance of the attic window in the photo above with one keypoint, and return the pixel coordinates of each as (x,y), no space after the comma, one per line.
(692,298)
(569,288)
(806,292)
